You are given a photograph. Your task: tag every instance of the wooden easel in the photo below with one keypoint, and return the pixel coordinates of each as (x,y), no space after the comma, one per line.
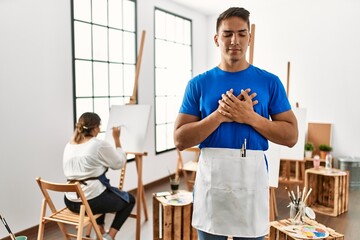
(140,193)
(133,98)
(252,44)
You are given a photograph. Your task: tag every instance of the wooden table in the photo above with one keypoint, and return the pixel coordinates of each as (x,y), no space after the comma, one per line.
(330,190)
(171,221)
(277,231)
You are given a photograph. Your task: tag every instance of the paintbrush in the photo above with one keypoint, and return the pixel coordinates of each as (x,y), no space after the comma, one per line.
(7,228)
(303,194)
(288,192)
(307,195)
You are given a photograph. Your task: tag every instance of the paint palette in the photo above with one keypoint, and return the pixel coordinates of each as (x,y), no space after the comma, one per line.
(179,199)
(306,232)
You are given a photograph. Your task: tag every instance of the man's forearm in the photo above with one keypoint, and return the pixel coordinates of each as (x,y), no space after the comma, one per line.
(278,131)
(193,133)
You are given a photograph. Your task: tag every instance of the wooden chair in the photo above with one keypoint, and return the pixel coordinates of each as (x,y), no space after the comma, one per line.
(187,164)
(64,216)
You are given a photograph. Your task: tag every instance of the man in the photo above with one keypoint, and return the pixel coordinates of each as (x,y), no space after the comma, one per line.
(227,111)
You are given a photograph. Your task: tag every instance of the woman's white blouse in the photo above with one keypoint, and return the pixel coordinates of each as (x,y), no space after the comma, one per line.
(91,159)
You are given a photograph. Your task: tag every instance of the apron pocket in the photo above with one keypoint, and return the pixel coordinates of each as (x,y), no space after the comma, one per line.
(235,173)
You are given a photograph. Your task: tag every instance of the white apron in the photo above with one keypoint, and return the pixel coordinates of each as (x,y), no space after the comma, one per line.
(231,193)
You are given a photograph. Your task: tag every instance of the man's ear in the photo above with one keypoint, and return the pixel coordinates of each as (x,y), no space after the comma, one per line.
(216,40)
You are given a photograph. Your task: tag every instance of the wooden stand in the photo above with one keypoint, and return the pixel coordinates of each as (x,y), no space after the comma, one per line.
(292,171)
(330,194)
(172,222)
(273,206)
(277,231)
(140,193)
(189,167)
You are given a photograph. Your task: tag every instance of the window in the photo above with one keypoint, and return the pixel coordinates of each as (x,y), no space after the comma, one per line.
(104,55)
(173,69)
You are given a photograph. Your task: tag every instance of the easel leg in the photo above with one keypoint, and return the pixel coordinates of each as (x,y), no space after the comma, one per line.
(140,196)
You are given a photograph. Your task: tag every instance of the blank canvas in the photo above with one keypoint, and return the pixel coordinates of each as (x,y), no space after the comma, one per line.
(297,151)
(134,120)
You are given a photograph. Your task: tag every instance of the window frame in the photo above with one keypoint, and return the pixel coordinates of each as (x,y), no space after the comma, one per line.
(124,98)
(180,95)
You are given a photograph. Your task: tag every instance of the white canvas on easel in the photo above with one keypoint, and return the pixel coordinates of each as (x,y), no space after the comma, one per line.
(134,120)
(277,152)
(273,158)
(297,151)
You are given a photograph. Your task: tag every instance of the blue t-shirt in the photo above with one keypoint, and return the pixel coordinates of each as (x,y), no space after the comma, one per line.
(203,92)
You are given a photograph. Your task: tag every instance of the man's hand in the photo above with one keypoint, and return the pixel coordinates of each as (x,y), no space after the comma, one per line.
(237,108)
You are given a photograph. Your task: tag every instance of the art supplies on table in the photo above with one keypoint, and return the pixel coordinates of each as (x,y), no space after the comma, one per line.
(297,204)
(306,232)
(179,199)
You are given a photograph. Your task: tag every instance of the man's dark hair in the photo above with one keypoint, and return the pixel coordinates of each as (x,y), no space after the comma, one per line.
(234,12)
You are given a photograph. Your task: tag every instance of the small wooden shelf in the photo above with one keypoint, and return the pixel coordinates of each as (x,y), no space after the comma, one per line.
(330,190)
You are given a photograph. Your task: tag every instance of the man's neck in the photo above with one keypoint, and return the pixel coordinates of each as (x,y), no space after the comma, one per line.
(233,66)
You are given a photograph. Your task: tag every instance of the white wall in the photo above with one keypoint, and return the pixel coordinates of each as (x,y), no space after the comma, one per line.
(36,100)
(320,39)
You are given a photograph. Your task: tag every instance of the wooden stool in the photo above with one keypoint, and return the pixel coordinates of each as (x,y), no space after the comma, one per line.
(330,190)
(172,218)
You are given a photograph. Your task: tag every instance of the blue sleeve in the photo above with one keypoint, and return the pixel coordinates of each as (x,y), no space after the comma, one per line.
(278,102)
(191,100)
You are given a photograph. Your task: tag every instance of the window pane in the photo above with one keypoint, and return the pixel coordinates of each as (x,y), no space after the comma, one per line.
(161,53)
(160,110)
(160,138)
(83,71)
(170,27)
(187,32)
(179,26)
(115,13)
(101,107)
(82,37)
(162,80)
(115,45)
(100,43)
(171,109)
(160,29)
(169,136)
(99,13)
(129,53)
(82,10)
(118,101)
(83,105)
(129,79)
(101,79)
(129,15)
(184,56)
(116,80)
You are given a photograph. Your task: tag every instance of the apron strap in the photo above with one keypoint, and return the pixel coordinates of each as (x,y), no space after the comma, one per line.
(106,182)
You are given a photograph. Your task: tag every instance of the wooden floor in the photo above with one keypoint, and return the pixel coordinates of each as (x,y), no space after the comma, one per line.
(347,223)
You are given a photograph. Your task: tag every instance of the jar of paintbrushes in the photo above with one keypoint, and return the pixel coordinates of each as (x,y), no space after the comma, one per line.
(298,204)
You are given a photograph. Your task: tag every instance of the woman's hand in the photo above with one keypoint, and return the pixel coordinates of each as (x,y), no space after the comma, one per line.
(116,131)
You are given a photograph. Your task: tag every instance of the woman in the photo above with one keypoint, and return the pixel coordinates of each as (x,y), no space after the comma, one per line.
(86,159)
